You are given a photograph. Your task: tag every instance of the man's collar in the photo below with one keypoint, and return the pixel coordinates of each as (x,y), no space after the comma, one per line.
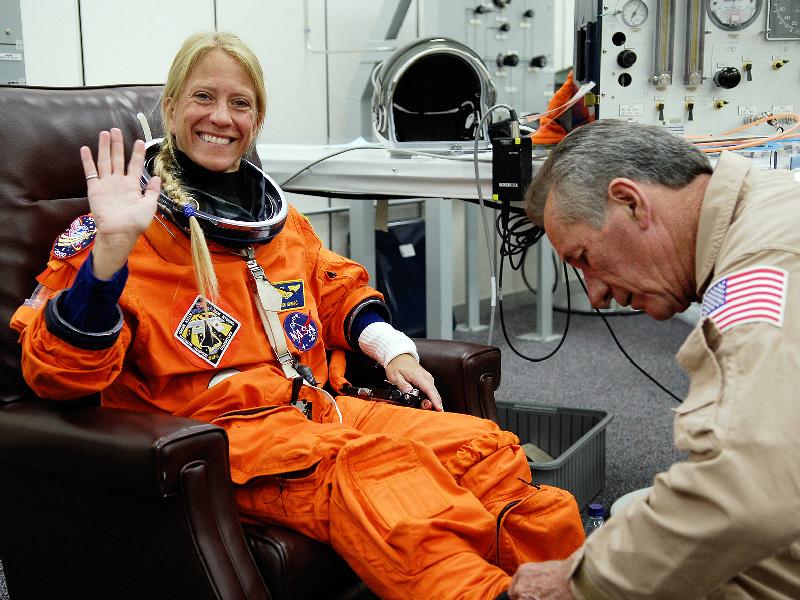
(716,213)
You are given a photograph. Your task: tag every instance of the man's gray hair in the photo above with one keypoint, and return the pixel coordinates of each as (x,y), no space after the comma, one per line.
(582,165)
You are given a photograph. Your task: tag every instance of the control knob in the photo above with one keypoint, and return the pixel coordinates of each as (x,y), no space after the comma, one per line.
(626,58)
(539,61)
(727,77)
(510,59)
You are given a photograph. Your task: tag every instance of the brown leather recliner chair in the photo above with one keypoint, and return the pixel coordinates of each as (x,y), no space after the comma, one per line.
(105,503)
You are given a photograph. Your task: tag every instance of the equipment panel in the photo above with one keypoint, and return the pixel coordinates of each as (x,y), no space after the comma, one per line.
(12,57)
(516,40)
(696,66)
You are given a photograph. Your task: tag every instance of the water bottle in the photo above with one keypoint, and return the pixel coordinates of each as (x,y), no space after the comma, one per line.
(597,514)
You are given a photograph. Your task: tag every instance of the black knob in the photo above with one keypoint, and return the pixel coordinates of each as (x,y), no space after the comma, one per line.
(502,3)
(626,58)
(508,60)
(728,77)
(481,9)
(504,27)
(528,14)
(539,61)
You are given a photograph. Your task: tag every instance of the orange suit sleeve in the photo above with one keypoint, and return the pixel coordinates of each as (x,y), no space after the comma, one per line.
(550,131)
(51,366)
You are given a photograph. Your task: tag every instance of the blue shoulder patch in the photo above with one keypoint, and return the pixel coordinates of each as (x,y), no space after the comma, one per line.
(292,293)
(78,236)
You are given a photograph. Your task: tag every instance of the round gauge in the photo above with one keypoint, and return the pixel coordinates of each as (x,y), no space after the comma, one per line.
(634,13)
(783,20)
(733,15)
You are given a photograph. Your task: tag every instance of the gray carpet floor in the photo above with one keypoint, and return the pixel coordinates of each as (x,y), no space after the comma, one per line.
(589,372)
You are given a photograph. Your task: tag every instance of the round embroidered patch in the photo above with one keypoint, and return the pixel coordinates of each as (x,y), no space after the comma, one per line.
(78,236)
(301,330)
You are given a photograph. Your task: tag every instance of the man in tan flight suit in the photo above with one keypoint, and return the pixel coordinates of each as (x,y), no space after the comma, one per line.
(643,215)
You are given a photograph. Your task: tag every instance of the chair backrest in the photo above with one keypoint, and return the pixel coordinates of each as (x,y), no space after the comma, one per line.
(42,187)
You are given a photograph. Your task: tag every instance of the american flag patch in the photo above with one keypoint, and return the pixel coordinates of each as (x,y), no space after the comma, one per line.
(756,295)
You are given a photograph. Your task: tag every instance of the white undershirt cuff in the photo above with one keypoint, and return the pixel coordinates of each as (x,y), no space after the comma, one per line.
(382,343)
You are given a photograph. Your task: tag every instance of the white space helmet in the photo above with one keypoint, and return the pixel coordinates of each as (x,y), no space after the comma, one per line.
(431,92)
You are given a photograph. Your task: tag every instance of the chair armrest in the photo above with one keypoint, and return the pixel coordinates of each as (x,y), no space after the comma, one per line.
(466,374)
(139,452)
(128,485)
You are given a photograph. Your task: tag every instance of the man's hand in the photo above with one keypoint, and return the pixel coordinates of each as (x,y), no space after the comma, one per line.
(543,581)
(406,373)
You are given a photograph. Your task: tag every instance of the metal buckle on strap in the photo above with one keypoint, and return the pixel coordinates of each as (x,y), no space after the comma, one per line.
(255,270)
(250,260)
(285,358)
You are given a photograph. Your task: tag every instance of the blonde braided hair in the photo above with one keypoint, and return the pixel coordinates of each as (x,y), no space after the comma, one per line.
(164,167)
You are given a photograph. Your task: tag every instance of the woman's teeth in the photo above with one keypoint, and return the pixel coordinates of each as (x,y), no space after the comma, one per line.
(212,139)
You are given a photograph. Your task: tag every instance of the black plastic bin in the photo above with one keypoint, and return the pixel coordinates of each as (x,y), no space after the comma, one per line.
(575,438)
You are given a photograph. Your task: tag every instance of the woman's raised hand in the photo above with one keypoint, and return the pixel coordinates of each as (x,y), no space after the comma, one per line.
(120,209)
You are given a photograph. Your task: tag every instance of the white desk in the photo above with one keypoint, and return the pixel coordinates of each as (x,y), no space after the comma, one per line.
(369,174)
(374,173)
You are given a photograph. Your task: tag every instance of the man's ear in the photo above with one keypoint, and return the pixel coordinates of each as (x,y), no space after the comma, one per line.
(628,195)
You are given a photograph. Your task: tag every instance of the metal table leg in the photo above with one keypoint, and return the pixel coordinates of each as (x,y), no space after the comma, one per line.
(439,268)
(472,233)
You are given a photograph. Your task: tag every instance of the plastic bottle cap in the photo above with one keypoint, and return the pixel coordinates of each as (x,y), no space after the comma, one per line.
(596,510)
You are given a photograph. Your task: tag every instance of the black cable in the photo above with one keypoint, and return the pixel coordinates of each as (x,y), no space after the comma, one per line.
(616,341)
(319,160)
(505,333)
(372,147)
(517,234)
(528,283)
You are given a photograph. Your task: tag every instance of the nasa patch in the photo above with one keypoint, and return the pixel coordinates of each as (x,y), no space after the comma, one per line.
(209,333)
(301,330)
(78,236)
(292,294)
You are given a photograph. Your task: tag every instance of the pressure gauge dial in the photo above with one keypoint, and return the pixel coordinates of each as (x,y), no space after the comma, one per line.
(634,13)
(783,19)
(733,15)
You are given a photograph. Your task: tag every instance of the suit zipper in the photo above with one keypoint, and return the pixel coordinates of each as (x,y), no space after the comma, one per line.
(500,516)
